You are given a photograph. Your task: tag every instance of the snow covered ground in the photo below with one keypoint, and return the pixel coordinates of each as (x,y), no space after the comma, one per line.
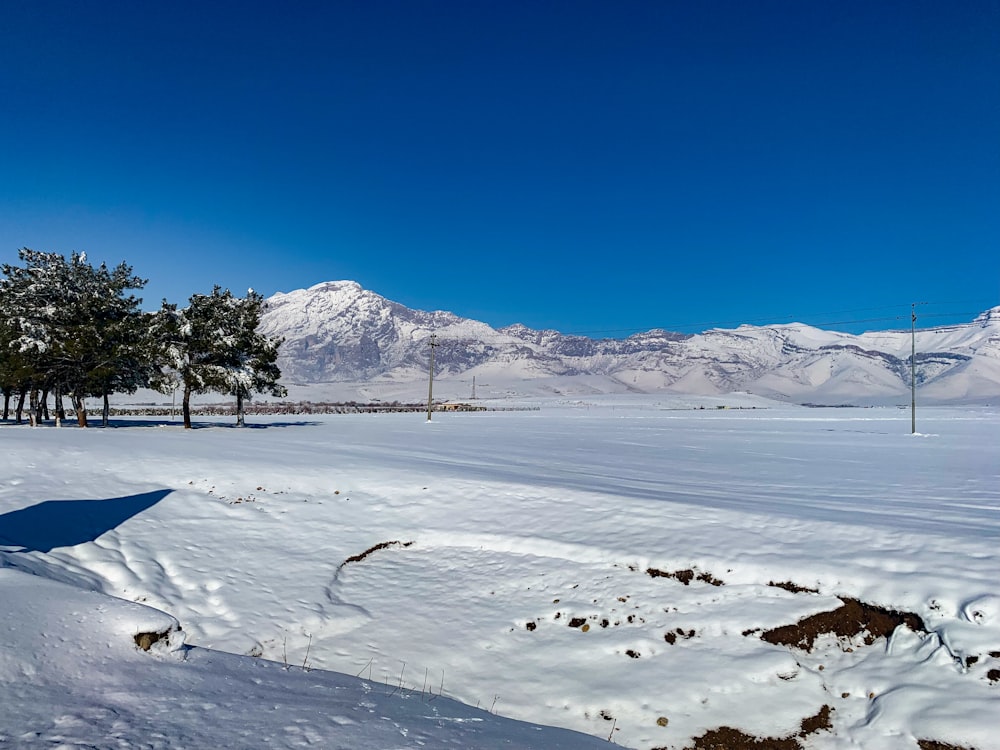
(602,564)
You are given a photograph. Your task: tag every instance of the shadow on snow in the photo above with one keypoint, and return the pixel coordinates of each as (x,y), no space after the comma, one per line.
(202,424)
(95,424)
(66,523)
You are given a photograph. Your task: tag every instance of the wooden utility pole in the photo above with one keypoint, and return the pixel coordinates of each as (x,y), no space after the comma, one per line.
(913,369)
(430,380)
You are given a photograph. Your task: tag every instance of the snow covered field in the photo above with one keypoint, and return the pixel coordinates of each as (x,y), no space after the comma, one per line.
(605,565)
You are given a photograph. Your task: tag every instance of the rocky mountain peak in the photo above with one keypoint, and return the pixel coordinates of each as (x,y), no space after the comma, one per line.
(339,331)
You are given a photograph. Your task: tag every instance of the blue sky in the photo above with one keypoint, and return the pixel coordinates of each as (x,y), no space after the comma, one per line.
(598,167)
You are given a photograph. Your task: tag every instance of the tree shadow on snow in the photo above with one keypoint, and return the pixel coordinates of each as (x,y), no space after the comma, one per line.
(66,523)
(204,425)
(165,422)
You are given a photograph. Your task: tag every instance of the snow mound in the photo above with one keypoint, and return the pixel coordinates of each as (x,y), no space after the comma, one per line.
(73,673)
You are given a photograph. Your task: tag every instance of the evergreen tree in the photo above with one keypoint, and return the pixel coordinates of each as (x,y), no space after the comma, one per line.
(75,328)
(34,305)
(67,327)
(212,346)
(127,361)
(14,369)
(256,368)
(103,348)
(188,339)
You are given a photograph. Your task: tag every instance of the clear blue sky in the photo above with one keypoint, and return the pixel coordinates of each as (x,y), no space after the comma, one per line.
(585,166)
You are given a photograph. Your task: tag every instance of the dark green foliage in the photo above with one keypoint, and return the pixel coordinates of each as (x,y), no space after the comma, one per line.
(213,346)
(68,328)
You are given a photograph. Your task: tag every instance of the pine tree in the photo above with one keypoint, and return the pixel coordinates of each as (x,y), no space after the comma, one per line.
(192,340)
(34,303)
(73,328)
(256,369)
(67,327)
(212,346)
(103,351)
(14,368)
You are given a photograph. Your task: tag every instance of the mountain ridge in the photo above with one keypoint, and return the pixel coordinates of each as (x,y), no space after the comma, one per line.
(340,332)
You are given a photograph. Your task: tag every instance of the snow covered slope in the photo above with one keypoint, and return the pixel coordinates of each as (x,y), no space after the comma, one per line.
(72,675)
(339,332)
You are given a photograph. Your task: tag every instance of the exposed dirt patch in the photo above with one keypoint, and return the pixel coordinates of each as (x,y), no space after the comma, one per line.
(576,622)
(710,579)
(145,641)
(376,548)
(854,618)
(935,745)
(672,636)
(793,587)
(684,576)
(813,724)
(728,738)
(993,675)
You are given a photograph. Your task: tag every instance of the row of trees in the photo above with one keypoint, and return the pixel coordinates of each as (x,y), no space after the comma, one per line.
(73,330)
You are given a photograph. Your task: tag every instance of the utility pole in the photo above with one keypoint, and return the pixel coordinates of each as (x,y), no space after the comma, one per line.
(913,366)
(430,381)
(473,387)
(913,369)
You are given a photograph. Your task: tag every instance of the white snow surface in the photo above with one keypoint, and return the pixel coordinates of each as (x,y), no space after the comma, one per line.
(503,528)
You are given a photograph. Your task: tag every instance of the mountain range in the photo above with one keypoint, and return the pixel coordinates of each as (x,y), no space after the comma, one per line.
(339,333)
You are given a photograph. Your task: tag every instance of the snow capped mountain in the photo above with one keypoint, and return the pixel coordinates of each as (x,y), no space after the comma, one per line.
(339,332)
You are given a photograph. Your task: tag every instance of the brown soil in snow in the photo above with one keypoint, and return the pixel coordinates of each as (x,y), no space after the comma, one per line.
(684,576)
(854,618)
(793,587)
(145,641)
(727,738)
(375,548)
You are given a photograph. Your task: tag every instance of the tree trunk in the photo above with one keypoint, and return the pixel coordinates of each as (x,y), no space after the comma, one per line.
(186,408)
(80,409)
(45,405)
(240,421)
(59,409)
(7,392)
(20,405)
(106,413)
(34,410)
